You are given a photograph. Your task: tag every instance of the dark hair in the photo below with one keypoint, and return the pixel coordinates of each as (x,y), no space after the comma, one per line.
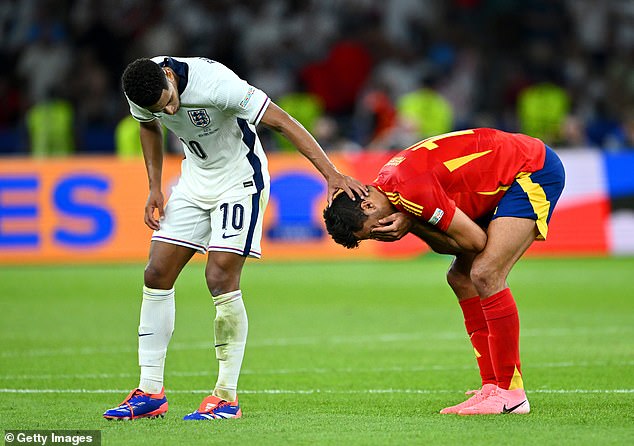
(344,217)
(143,82)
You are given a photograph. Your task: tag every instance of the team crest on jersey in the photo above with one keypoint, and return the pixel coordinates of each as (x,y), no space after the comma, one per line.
(199,118)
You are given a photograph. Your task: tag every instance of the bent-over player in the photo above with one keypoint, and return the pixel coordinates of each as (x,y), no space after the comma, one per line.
(482,195)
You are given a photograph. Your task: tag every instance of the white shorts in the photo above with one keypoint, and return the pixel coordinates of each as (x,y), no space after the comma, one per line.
(232,225)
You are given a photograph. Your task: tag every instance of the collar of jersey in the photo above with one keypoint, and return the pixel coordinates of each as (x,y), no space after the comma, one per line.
(181,69)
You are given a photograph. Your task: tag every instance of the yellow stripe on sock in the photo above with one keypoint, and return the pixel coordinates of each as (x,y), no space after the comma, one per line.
(516,381)
(477,353)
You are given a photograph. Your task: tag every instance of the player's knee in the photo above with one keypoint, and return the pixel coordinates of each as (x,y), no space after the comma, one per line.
(220,281)
(156,277)
(457,280)
(486,277)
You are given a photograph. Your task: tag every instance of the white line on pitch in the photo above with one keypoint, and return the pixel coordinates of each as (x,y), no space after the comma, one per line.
(316,370)
(329,340)
(316,391)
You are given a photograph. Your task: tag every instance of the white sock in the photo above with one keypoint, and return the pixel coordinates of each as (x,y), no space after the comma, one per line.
(156,325)
(230,332)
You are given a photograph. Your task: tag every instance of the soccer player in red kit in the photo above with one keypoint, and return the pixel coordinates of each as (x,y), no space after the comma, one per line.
(482,195)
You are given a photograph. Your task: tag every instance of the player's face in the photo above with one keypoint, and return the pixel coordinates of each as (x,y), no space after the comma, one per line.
(169,102)
(375,206)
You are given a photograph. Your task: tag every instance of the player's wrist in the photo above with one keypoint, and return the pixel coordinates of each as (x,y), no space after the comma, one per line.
(331,173)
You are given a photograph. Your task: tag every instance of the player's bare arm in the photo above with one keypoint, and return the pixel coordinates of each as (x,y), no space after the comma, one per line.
(282,122)
(395,226)
(437,240)
(466,233)
(152,143)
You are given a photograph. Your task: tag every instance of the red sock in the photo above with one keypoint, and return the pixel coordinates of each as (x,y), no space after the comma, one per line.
(478,332)
(503,321)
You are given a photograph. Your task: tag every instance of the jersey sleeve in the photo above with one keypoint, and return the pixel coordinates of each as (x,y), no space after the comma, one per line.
(423,196)
(139,113)
(235,96)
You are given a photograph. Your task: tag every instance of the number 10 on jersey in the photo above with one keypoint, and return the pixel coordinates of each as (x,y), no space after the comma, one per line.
(195,148)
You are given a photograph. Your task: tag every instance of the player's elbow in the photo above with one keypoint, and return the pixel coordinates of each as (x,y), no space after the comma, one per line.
(467,233)
(475,243)
(277,119)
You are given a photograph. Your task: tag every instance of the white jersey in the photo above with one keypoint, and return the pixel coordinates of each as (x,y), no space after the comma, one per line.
(216,125)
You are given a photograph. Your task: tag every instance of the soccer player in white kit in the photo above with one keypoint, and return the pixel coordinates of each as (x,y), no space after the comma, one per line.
(216,207)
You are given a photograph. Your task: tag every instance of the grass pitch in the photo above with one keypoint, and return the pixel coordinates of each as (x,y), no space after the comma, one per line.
(338,353)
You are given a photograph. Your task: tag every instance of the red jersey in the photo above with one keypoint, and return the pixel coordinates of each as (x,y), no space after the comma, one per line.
(468,169)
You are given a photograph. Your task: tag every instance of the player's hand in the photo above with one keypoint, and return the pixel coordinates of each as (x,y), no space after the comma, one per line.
(155,201)
(393,227)
(347,184)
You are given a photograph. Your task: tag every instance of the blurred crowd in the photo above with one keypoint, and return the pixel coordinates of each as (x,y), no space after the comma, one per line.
(359,74)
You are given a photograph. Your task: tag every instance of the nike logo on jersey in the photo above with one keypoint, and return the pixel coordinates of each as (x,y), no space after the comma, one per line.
(511,409)
(229,236)
(145,334)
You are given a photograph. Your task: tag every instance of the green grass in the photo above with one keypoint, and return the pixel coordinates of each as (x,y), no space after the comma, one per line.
(338,353)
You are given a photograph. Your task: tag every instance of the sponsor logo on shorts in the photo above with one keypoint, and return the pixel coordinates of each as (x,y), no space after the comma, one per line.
(247,183)
(438,213)
(229,235)
(199,117)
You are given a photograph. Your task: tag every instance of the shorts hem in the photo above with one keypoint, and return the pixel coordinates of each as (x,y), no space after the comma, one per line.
(542,226)
(198,248)
(252,253)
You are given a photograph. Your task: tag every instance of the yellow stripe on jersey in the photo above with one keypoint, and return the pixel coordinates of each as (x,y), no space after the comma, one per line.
(390,194)
(457,163)
(430,143)
(396,199)
(414,211)
(493,192)
(540,203)
(414,208)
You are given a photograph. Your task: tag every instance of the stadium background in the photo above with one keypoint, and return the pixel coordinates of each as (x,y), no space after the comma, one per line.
(344,347)
(365,76)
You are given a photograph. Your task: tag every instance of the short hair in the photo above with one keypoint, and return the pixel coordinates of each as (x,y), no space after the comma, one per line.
(343,218)
(143,82)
